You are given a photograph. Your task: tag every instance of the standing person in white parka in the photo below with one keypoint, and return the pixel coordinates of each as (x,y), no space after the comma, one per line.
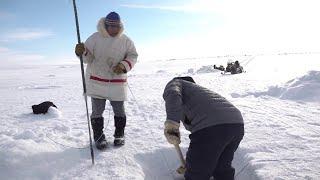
(109,55)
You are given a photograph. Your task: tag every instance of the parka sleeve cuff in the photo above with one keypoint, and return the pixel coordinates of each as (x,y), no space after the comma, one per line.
(127,64)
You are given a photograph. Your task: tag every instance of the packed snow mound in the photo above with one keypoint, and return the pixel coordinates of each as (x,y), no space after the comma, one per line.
(202,70)
(190,71)
(280,67)
(207,69)
(54,112)
(304,88)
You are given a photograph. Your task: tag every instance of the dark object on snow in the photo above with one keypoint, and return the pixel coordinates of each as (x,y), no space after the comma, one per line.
(221,68)
(186,78)
(236,68)
(229,66)
(233,68)
(43,107)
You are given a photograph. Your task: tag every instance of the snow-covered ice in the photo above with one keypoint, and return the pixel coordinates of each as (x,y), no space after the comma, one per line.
(278,97)
(305,88)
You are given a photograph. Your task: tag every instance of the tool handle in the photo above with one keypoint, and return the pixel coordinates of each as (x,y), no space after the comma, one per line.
(182,160)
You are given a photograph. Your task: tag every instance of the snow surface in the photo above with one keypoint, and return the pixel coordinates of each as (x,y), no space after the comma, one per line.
(278,97)
(305,88)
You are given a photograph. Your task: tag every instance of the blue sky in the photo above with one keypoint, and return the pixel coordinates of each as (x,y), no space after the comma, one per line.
(43,31)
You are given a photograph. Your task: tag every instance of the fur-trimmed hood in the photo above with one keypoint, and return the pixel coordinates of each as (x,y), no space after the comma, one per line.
(102,28)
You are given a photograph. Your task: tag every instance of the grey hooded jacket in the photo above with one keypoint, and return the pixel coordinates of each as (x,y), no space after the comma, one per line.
(198,107)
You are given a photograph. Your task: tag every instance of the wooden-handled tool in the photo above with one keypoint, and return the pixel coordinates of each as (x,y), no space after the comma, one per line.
(182,168)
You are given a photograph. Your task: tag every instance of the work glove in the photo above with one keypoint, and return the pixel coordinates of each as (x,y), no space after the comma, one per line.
(119,69)
(171,132)
(181,170)
(79,50)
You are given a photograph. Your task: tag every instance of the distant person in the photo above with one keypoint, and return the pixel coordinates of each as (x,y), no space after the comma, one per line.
(216,128)
(229,66)
(109,55)
(236,68)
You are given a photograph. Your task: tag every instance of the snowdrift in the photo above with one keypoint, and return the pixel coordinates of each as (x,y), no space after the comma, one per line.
(305,88)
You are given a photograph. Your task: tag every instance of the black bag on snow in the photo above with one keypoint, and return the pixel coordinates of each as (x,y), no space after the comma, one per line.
(42,107)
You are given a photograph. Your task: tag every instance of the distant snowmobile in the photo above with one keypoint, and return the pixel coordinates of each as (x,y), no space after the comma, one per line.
(221,68)
(232,67)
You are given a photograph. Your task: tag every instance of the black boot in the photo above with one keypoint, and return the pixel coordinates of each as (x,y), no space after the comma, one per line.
(120,124)
(98,136)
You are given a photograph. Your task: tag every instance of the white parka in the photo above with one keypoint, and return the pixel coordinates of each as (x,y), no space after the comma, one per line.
(103,52)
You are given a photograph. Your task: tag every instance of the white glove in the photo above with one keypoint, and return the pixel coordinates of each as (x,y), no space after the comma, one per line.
(171,132)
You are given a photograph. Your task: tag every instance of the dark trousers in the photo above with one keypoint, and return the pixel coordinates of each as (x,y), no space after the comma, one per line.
(211,152)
